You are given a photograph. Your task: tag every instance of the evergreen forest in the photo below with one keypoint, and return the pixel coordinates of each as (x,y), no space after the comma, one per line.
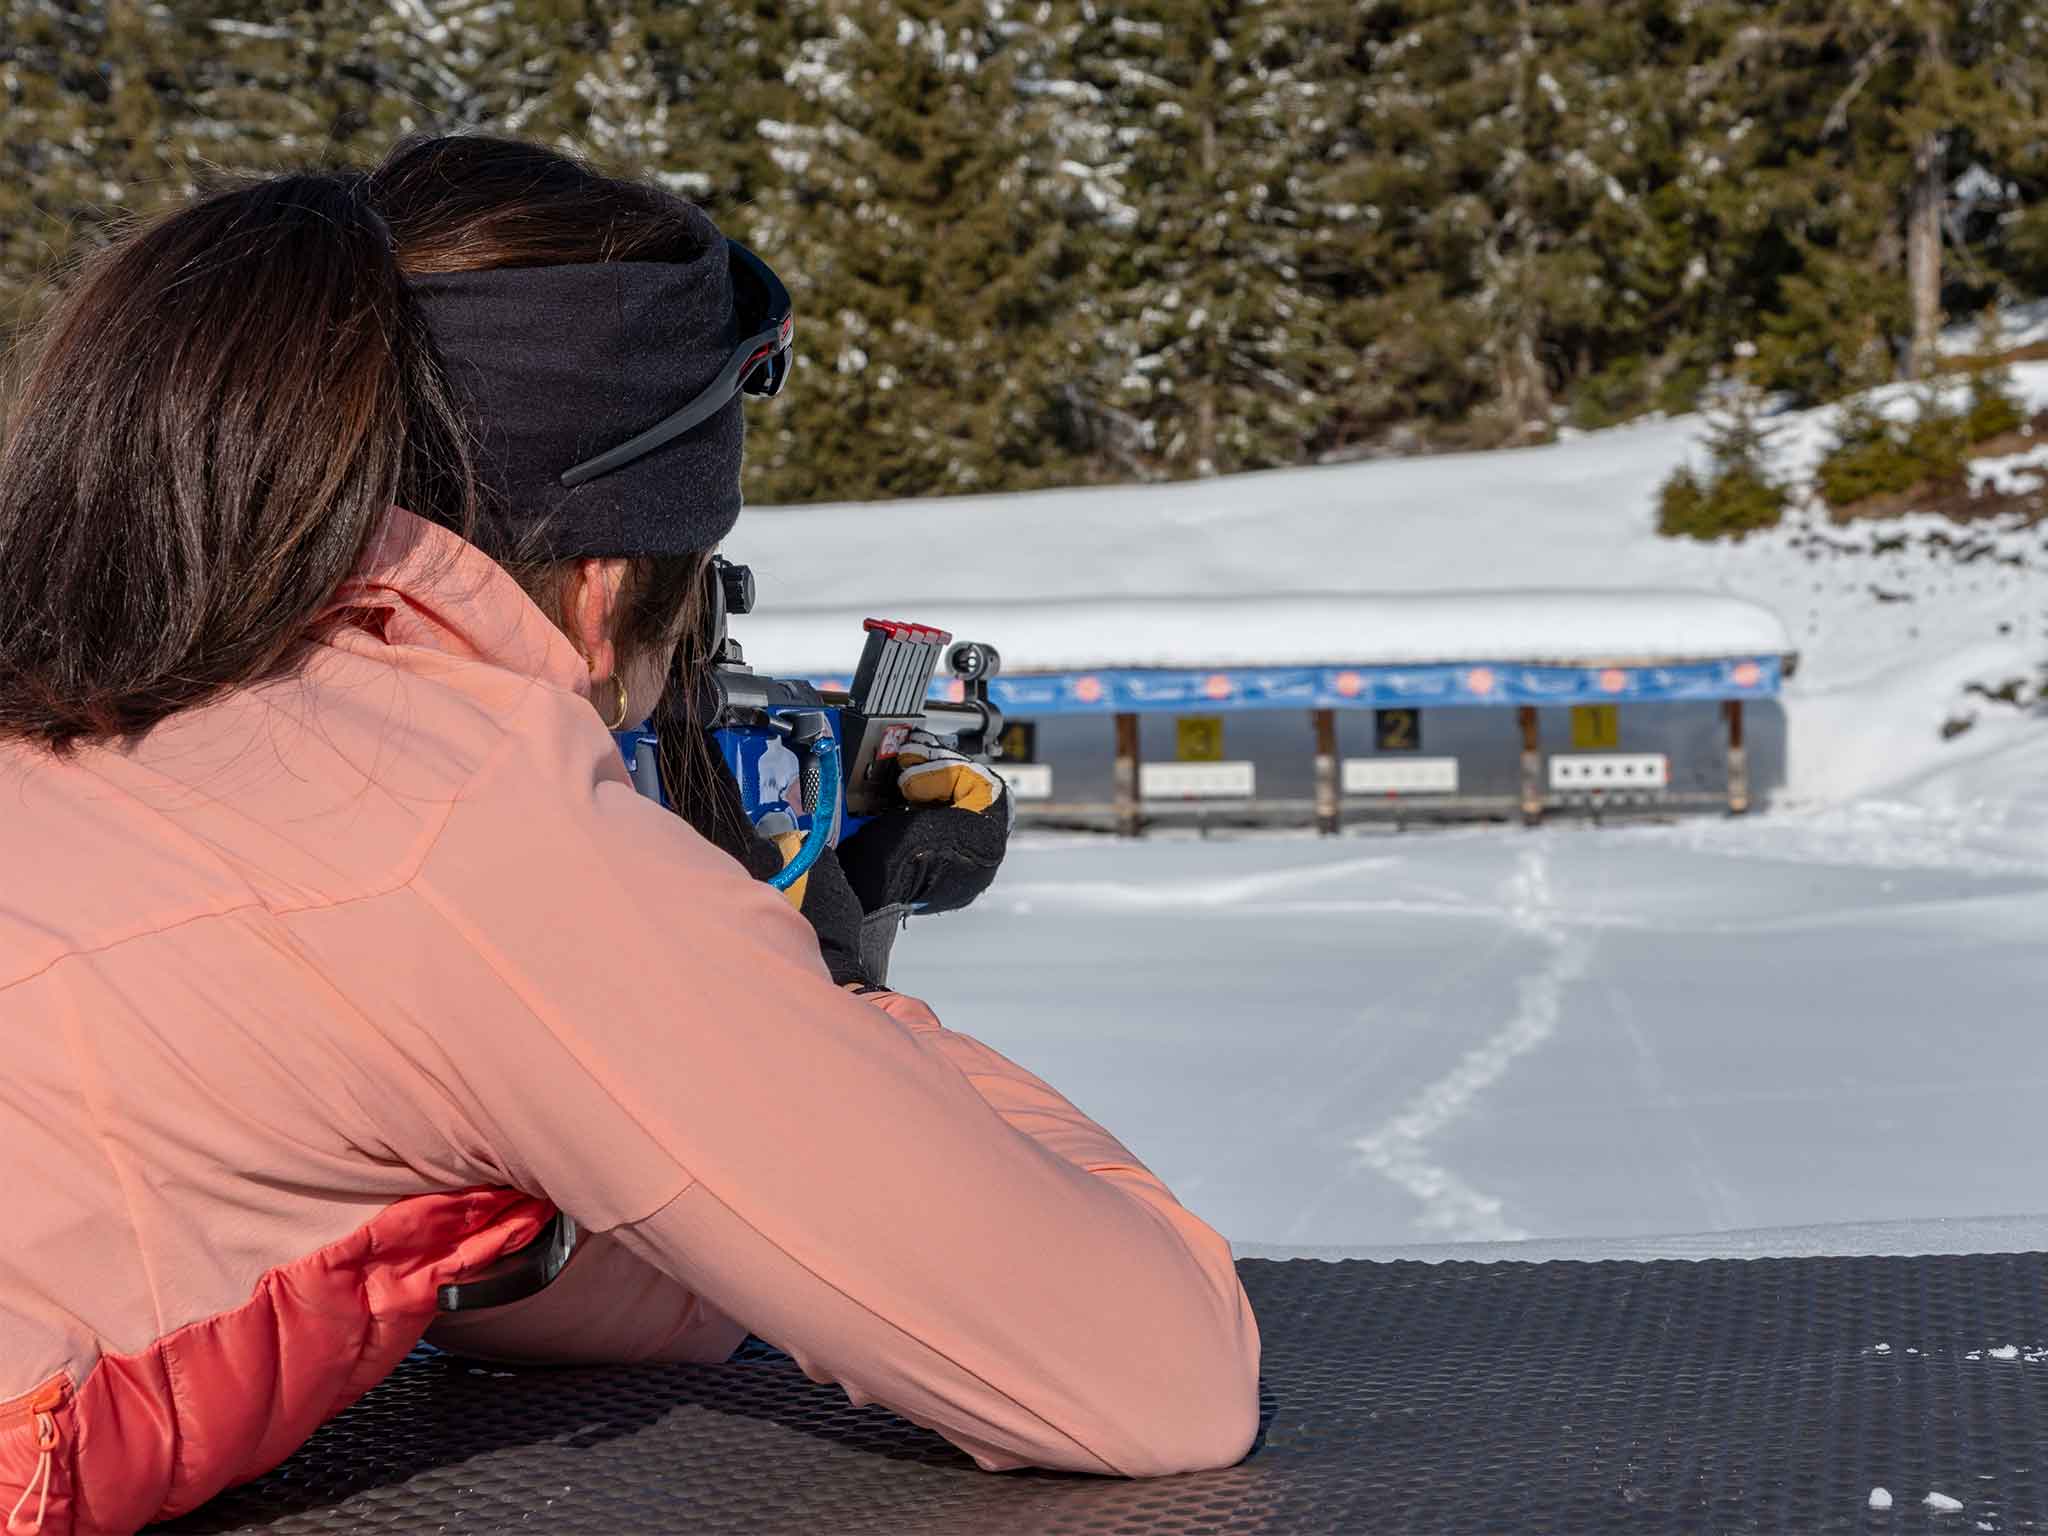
(1040,242)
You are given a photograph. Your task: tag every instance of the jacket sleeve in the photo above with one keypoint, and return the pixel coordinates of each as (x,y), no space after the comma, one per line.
(900,1208)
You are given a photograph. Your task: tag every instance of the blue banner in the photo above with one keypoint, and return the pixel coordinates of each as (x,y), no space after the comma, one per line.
(1461,684)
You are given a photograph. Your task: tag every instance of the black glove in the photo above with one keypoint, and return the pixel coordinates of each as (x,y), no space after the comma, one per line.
(931,859)
(942,849)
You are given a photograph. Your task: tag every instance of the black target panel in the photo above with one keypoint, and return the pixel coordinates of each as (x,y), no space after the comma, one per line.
(1766,1395)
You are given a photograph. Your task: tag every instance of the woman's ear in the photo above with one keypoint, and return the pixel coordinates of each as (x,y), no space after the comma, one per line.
(591,599)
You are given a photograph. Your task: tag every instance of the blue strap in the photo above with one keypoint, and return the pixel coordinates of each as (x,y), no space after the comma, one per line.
(825,753)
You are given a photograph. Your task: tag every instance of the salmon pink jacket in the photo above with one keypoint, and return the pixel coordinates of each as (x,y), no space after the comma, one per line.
(334,989)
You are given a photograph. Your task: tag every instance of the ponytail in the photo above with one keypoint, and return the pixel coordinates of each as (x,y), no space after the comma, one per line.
(216,416)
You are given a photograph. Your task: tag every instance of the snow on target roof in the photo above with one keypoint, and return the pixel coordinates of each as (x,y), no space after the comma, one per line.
(1546,555)
(1554,628)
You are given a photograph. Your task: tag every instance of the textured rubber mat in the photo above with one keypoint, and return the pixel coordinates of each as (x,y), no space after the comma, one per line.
(1769,1395)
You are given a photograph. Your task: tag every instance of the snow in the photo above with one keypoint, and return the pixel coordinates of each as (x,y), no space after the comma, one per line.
(1566,1042)
(1978,185)
(2019,325)
(1534,627)
(2033,1354)
(1880,1498)
(1892,622)
(1942,1504)
(1821,1239)
(1806,1032)
(2012,473)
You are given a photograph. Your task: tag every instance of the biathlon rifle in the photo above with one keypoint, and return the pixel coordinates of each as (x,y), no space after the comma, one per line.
(821,761)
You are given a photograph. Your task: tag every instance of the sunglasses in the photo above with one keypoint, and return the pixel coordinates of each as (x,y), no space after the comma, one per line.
(759,366)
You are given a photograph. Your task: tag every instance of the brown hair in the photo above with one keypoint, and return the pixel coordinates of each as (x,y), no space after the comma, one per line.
(218,410)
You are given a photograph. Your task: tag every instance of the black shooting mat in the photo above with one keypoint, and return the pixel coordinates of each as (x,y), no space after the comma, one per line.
(1728,1395)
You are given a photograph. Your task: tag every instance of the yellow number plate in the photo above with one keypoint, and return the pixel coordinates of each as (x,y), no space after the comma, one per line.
(1596,727)
(1199,738)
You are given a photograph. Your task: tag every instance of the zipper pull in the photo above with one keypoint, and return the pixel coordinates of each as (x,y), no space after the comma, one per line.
(46,1460)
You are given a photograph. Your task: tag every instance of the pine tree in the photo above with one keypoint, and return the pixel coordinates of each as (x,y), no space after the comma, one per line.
(932,262)
(1328,128)
(54,177)
(1076,240)
(1973,81)
(1869,110)
(1506,164)
(1740,493)
(1677,257)
(1212,333)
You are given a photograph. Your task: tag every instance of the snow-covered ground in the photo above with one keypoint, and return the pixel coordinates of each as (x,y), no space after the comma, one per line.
(1575,1033)
(1820,1029)
(2021,324)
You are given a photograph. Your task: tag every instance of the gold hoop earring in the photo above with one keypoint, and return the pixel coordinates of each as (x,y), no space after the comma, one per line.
(619,685)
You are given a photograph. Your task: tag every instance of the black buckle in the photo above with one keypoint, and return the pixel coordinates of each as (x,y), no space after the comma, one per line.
(517,1275)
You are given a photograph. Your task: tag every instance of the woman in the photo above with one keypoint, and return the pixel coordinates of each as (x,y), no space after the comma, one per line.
(337,952)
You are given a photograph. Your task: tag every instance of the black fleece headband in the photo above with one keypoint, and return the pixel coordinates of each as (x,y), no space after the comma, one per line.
(553,365)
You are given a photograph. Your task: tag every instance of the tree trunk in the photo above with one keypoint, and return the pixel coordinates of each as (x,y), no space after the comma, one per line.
(1923,220)
(1524,387)
(1923,255)
(1212,351)
(1205,428)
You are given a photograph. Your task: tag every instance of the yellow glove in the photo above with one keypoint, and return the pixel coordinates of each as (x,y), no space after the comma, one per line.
(788,844)
(943,847)
(936,774)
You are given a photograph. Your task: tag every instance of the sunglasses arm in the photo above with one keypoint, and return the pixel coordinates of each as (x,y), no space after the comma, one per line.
(702,409)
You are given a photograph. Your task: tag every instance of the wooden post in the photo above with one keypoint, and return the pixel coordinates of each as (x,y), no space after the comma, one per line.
(1127,822)
(1329,804)
(1738,760)
(1532,767)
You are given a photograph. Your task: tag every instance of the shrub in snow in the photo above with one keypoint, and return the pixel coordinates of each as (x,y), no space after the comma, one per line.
(1735,502)
(1874,460)
(1939,442)
(1739,495)
(1681,504)
(1868,459)
(1613,395)
(1994,409)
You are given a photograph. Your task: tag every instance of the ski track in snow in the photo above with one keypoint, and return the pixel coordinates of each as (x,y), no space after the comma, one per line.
(1398,1150)
(1318,1051)
(1235,891)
